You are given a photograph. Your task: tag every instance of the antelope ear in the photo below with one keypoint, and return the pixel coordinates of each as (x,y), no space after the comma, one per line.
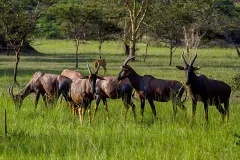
(180,67)
(101,78)
(197,68)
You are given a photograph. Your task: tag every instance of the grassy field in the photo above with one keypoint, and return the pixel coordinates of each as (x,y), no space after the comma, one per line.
(54,133)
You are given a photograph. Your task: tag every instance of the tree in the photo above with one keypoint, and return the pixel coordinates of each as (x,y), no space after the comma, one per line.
(167,25)
(105,28)
(137,11)
(227,23)
(19,19)
(202,17)
(105,31)
(49,27)
(77,21)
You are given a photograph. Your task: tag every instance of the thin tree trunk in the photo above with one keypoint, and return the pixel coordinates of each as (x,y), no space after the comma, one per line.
(238,52)
(235,46)
(171,52)
(76,52)
(5,123)
(132,49)
(100,49)
(17,52)
(146,51)
(127,48)
(16,65)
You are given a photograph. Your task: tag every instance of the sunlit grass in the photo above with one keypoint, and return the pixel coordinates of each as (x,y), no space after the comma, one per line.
(54,133)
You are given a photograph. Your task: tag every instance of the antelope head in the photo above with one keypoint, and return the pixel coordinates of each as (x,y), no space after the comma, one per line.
(188,68)
(126,70)
(92,77)
(17,99)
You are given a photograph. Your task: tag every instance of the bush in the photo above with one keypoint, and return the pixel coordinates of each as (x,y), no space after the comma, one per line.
(236,82)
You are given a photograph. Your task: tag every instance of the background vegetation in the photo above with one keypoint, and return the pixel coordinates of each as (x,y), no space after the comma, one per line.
(174,23)
(54,133)
(52,35)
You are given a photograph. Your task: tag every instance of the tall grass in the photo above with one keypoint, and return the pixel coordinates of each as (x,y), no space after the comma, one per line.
(54,133)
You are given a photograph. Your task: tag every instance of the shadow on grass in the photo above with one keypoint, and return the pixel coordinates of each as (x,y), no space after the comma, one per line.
(112,59)
(61,58)
(238,137)
(23,72)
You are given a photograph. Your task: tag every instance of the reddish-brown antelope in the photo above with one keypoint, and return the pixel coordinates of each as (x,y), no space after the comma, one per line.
(109,88)
(82,92)
(50,86)
(71,74)
(152,89)
(208,91)
(101,62)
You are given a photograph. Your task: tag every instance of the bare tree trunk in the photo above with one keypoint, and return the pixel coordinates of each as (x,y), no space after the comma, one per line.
(127,48)
(236,47)
(76,52)
(16,65)
(137,15)
(146,51)
(171,52)
(100,49)
(5,123)
(132,49)
(231,41)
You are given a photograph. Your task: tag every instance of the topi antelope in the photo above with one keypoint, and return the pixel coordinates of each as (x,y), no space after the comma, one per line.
(101,62)
(50,86)
(110,88)
(152,89)
(71,74)
(82,92)
(208,91)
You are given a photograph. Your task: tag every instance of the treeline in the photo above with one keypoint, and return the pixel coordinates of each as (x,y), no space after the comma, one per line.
(173,23)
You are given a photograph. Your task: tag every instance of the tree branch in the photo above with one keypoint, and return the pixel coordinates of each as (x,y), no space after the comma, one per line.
(140,21)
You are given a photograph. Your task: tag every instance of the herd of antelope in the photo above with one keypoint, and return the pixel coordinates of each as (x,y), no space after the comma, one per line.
(79,91)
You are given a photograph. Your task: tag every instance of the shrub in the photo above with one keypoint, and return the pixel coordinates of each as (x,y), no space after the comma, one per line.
(236,82)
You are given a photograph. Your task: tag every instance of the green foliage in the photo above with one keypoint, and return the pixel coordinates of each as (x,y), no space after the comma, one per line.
(18,19)
(166,22)
(76,19)
(49,27)
(236,82)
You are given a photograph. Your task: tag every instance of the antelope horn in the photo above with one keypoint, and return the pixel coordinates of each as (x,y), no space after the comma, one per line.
(10,91)
(96,72)
(193,59)
(127,60)
(89,70)
(184,59)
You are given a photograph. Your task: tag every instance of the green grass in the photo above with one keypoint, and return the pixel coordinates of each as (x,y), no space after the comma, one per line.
(54,133)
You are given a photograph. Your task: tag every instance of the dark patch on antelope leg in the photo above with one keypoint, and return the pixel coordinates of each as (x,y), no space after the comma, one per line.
(153,108)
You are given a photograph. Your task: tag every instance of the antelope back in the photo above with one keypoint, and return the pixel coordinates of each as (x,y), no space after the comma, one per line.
(71,74)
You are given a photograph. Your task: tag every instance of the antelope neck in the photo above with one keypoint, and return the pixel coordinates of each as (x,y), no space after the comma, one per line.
(25,92)
(193,83)
(135,80)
